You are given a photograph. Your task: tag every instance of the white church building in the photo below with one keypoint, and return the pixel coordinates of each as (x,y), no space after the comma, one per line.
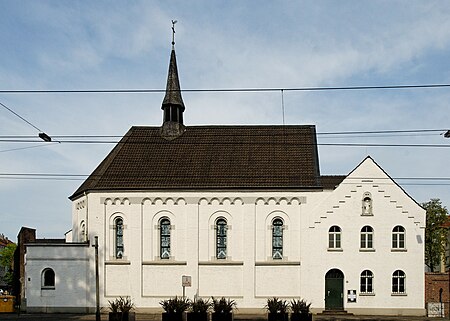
(241,210)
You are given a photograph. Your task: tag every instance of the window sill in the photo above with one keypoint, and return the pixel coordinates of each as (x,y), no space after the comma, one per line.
(45,288)
(118,262)
(366,294)
(221,262)
(277,263)
(399,294)
(335,249)
(399,250)
(367,250)
(164,262)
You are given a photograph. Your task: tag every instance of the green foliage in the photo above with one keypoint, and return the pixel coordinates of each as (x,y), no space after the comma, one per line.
(175,305)
(276,305)
(200,306)
(7,260)
(223,305)
(435,233)
(121,305)
(299,306)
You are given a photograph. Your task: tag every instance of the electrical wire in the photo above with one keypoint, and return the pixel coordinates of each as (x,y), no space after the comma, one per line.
(120,91)
(385,133)
(16,114)
(409,181)
(234,143)
(28,147)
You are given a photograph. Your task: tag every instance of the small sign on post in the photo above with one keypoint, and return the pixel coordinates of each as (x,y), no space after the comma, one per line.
(186,281)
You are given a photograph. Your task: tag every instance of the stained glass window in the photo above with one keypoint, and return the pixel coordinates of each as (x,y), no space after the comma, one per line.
(119,237)
(221,238)
(277,239)
(165,238)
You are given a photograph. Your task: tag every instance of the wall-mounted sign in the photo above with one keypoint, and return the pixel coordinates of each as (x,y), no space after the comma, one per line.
(351,296)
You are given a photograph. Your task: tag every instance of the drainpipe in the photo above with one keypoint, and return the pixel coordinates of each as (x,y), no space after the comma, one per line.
(87,217)
(97,292)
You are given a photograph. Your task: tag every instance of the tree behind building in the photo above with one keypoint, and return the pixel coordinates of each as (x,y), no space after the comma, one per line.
(435,233)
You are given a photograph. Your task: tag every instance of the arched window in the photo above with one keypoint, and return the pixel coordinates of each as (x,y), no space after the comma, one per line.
(164,238)
(48,279)
(118,228)
(366,285)
(277,239)
(398,282)
(334,237)
(83,231)
(367,237)
(221,238)
(398,237)
(367,206)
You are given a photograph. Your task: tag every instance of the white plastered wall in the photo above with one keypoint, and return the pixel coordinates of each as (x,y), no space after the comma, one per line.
(249,274)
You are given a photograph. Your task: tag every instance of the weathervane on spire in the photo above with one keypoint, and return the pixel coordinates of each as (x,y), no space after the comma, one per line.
(173,31)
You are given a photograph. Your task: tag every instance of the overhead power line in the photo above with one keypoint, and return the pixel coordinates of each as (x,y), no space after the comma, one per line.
(41,134)
(343,133)
(131,91)
(153,175)
(16,114)
(229,143)
(408,181)
(28,147)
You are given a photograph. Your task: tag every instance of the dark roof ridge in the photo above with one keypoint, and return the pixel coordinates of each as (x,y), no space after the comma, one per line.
(234,125)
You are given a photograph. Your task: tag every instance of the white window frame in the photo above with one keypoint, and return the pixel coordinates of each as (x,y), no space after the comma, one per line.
(366,237)
(398,241)
(398,281)
(366,278)
(334,238)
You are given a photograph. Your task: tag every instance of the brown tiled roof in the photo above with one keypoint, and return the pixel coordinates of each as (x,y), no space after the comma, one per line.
(331,181)
(210,157)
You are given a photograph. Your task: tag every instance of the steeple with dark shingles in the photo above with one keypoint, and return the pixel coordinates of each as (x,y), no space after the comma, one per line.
(172,104)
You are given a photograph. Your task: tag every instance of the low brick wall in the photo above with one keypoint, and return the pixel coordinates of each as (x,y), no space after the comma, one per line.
(437,289)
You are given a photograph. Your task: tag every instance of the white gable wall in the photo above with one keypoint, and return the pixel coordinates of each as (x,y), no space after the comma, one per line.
(391,207)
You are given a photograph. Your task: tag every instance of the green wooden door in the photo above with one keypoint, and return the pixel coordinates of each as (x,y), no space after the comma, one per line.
(334,290)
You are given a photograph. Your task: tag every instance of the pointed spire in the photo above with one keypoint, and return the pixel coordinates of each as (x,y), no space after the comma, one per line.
(173,90)
(173,105)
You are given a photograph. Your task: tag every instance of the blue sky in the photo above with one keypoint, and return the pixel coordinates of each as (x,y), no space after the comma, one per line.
(70,45)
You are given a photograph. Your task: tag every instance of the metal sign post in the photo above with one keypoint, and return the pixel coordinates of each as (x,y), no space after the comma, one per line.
(186,281)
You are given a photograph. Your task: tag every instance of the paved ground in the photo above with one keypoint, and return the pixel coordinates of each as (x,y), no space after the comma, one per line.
(157,317)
